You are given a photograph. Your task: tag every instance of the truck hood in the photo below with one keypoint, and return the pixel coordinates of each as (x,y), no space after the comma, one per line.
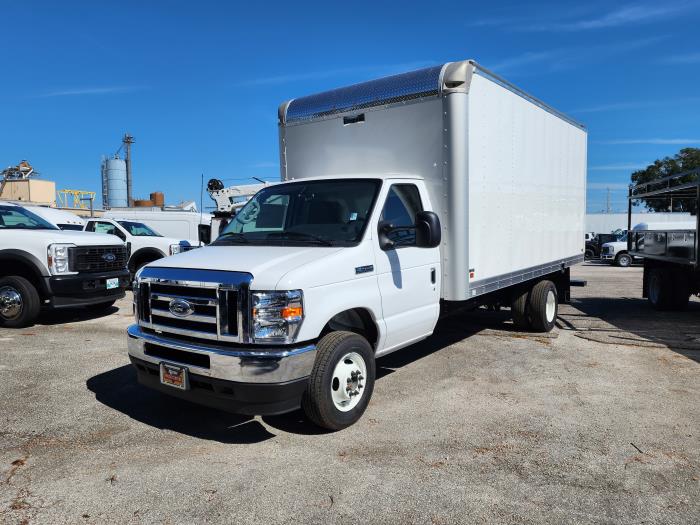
(268,264)
(79,238)
(615,244)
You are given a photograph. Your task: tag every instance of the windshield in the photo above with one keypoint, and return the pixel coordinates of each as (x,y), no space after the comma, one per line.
(320,212)
(138,229)
(17,218)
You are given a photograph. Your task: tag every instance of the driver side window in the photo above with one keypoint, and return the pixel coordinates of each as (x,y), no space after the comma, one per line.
(400,209)
(111,229)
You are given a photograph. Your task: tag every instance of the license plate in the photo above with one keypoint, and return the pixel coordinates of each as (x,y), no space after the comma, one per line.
(174,375)
(112,283)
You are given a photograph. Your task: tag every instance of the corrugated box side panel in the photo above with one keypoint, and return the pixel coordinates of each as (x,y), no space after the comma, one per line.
(527,185)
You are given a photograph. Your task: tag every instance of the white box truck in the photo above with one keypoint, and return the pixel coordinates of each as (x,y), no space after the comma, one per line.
(400,198)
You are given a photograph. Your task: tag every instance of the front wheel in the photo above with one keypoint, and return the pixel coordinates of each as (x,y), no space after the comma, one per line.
(341,382)
(19,302)
(623,260)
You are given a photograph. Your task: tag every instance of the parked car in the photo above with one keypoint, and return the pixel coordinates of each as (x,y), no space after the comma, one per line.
(594,246)
(145,244)
(615,252)
(316,276)
(43,267)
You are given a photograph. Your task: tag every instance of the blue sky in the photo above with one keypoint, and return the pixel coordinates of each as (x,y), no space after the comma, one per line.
(198,83)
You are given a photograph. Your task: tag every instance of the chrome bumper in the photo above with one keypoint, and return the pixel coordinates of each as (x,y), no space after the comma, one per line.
(245,364)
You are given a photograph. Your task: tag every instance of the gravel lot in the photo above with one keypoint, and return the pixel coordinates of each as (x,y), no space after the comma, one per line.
(598,422)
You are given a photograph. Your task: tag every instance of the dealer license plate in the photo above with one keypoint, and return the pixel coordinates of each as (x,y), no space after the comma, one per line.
(174,375)
(113,283)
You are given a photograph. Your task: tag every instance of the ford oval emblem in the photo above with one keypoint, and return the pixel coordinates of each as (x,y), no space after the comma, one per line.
(109,257)
(180,307)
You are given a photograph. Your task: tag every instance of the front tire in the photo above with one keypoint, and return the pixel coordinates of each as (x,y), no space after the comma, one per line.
(543,306)
(624,260)
(341,382)
(19,302)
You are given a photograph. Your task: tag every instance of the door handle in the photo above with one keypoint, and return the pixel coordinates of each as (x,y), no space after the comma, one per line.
(433,276)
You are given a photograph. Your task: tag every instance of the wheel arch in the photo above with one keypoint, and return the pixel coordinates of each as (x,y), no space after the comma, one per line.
(18,262)
(359,320)
(144,254)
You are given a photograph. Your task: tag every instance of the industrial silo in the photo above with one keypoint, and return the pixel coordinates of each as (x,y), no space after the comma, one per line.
(114,181)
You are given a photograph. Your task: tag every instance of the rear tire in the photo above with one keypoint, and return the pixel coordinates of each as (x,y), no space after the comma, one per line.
(624,260)
(19,302)
(589,254)
(337,394)
(660,293)
(519,309)
(543,306)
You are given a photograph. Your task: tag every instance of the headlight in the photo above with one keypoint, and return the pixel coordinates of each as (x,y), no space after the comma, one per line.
(277,316)
(175,248)
(57,258)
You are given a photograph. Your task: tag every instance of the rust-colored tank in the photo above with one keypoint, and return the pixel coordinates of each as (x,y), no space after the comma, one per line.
(158,198)
(143,203)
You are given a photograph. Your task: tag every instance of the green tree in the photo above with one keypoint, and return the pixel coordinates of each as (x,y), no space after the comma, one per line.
(685,160)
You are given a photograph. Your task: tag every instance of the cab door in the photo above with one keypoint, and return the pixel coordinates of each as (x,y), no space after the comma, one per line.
(408,276)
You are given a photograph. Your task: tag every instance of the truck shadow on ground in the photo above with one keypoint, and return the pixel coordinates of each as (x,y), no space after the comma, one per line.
(119,390)
(74,315)
(633,322)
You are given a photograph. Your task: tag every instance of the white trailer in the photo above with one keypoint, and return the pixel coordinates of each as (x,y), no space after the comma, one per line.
(506,172)
(401,197)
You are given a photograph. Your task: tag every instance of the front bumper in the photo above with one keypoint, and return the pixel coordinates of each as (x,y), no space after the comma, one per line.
(608,257)
(85,289)
(247,380)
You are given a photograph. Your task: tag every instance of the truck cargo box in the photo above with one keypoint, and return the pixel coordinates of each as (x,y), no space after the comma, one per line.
(506,173)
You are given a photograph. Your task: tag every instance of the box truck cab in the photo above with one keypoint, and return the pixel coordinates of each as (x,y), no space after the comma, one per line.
(43,267)
(145,244)
(400,199)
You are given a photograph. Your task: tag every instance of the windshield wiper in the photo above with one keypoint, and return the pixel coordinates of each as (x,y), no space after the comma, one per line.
(302,237)
(232,236)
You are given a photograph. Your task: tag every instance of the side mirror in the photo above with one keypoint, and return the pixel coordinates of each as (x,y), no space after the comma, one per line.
(204,233)
(428,231)
(383,230)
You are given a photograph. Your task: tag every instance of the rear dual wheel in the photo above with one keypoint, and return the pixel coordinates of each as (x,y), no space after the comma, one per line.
(668,290)
(536,308)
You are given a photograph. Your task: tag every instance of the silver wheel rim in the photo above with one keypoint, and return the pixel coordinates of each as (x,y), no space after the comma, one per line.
(10,303)
(624,261)
(551,307)
(348,381)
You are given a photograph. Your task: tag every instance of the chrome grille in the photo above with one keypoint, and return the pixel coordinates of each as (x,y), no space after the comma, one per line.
(204,309)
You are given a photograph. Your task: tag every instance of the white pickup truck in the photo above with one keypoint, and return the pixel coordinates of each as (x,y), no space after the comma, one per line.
(396,198)
(145,244)
(42,266)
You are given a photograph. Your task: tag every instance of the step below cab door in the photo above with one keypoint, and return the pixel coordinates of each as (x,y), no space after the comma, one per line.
(408,276)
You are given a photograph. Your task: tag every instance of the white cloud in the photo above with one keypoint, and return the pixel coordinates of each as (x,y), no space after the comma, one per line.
(259,165)
(650,141)
(690,58)
(616,167)
(107,90)
(583,20)
(378,70)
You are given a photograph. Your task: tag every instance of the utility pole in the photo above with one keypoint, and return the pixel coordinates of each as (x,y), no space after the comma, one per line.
(608,208)
(128,140)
